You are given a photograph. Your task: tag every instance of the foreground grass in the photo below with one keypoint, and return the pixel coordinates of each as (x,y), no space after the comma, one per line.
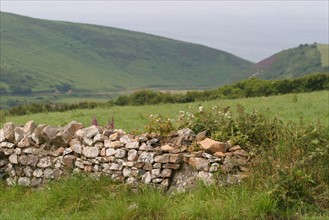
(82,197)
(311,107)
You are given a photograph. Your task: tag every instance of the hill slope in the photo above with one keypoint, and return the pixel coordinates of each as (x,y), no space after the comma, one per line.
(294,62)
(43,56)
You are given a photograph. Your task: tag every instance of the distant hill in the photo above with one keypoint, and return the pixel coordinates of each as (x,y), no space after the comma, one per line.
(42,56)
(294,62)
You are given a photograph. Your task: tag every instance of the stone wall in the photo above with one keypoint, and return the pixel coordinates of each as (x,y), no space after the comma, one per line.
(31,155)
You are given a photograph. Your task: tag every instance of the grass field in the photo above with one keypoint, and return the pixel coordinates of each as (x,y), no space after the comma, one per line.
(311,107)
(278,188)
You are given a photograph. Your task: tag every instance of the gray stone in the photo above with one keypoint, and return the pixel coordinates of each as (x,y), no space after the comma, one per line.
(132,155)
(36,182)
(132,145)
(183,179)
(121,153)
(69,130)
(88,141)
(110,152)
(173,166)
(214,167)
(200,164)
(115,166)
(44,162)
(48,173)
(24,143)
(18,151)
(19,134)
(90,152)
(8,131)
(37,136)
(32,160)
(157,180)
(166,173)
(13,159)
(28,171)
(128,164)
(6,145)
(23,181)
(131,180)
(157,165)
(99,138)
(2,135)
(125,139)
(206,177)
(76,146)
(92,131)
(147,178)
(29,127)
(10,181)
(146,157)
(126,172)
(38,173)
(22,159)
(68,161)
(155,173)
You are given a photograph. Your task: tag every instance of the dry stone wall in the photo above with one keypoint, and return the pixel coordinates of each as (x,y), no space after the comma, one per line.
(31,155)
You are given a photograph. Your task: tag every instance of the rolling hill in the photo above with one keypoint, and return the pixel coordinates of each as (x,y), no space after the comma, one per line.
(294,62)
(41,56)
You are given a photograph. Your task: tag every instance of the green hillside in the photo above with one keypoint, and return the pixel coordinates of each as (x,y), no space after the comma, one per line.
(294,62)
(41,56)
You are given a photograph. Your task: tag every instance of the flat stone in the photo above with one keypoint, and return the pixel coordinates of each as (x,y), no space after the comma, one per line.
(212,146)
(234,148)
(99,138)
(242,153)
(132,145)
(219,154)
(200,164)
(167,148)
(92,131)
(6,145)
(90,152)
(115,166)
(125,139)
(128,164)
(173,166)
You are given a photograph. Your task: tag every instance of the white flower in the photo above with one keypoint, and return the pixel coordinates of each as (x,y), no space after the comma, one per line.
(200,108)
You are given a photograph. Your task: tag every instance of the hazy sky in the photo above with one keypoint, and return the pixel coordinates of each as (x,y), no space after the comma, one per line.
(252,30)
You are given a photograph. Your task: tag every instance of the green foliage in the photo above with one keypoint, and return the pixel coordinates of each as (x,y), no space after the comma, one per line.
(160,125)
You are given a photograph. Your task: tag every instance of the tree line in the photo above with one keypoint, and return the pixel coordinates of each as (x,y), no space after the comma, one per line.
(253,87)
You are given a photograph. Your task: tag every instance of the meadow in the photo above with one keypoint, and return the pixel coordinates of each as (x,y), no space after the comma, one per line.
(310,107)
(288,178)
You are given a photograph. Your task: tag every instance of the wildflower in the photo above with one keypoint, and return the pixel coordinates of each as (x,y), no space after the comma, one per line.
(200,108)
